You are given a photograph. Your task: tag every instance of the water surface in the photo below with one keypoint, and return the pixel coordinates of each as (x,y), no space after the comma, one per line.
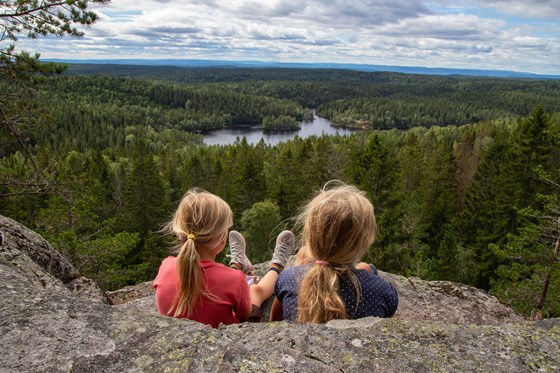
(254,133)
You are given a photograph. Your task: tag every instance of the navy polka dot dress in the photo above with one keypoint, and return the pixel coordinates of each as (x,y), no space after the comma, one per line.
(378,298)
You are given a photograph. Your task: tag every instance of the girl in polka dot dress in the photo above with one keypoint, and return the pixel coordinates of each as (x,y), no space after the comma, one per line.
(330,283)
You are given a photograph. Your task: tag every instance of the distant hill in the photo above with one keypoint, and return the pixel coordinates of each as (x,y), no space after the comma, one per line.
(357,67)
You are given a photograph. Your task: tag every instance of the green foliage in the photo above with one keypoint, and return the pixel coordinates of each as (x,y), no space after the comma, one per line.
(260,225)
(145,201)
(288,182)
(50,17)
(280,123)
(374,169)
(21,114)
(104,260)
(360,99)
(93,246)
(32,18)
(529,262)
(459,203)
(244,181)
(121,102)
(505,183)
(383,99)
(438,101)
(153,248)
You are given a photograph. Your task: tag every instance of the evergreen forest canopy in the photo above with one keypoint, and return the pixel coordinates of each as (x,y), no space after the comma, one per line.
(463,172)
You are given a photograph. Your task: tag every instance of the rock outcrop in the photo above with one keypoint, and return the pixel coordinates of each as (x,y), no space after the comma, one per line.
(41,265)
(50,322)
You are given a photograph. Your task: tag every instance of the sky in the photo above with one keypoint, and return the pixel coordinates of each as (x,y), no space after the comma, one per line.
(516,35)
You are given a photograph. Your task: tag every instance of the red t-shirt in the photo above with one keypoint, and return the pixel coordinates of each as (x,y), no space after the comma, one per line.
(228,284)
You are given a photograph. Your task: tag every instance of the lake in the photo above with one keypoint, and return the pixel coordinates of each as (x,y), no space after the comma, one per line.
(254,133)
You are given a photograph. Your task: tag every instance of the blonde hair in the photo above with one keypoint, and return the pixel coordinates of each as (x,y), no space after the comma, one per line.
(201,222)
(338,228)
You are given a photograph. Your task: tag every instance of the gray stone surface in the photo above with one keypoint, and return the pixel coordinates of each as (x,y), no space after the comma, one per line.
(49,328)
(448,301)
(41,265)
(131,293)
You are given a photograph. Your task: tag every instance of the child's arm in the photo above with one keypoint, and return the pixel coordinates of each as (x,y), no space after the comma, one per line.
(243,307)
(392,300)
(276,310)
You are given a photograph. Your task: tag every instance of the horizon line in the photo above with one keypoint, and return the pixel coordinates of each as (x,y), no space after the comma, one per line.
(364,67)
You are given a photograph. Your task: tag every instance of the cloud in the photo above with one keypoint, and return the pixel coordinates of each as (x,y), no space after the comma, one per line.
(165,31)
(445,27)
(547,9)
(359,12)
(272,8)
(450,33)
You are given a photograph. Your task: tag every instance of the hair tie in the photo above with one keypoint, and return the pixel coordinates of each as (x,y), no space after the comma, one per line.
(322,263)
(191,237)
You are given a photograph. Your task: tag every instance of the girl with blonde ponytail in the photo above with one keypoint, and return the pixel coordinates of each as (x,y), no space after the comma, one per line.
(193,285)
(338,228)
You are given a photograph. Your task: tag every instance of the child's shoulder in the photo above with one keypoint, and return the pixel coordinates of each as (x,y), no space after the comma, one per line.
(168,262)
(361,273)
(213,268)
(206,264)
(297,268)
(374,280)
(167,270)
(294,271)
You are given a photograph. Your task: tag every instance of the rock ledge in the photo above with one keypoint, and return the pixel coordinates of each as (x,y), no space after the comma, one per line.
(47,325)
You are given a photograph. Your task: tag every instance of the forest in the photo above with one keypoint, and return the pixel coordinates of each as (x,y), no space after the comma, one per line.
(464,172)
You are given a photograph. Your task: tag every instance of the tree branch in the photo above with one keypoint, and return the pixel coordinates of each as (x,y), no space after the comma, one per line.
(32,10)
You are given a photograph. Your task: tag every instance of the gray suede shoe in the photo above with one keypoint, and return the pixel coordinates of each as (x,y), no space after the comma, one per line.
(285,245)
(237,252)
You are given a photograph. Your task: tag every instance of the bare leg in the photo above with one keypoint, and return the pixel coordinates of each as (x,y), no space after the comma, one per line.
(261,291)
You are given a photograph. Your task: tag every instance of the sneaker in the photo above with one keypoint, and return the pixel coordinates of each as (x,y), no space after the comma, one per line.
(285,245)
(237,251)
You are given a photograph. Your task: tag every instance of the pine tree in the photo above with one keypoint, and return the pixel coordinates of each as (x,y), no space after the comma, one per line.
(505,184)
(374,169)
(21,113)
(243,176)
(146,202)
(528,276)
(529,279)
(285,178)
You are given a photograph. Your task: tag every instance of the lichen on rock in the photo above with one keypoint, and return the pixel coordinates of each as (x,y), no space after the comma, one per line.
(48,325)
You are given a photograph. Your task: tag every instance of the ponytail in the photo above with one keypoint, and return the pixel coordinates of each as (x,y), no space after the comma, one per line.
(319,299)
(190,278)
